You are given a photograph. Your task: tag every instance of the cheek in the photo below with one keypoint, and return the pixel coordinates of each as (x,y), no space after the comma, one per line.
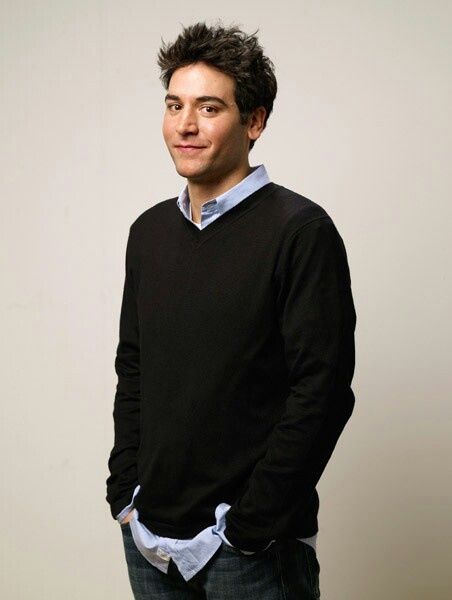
(218,136)
(166,129)
(164,132)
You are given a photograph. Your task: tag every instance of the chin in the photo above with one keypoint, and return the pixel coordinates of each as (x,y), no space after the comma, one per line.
(190,173)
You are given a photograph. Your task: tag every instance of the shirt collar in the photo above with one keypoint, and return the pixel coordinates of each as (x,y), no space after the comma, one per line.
(250,184)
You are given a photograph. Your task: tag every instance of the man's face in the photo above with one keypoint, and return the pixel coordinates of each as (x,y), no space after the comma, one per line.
(218,143)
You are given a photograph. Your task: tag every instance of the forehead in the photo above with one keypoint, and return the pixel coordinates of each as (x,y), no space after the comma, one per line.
(200,79)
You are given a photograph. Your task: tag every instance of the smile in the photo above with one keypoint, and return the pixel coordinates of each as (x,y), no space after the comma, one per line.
(189,149)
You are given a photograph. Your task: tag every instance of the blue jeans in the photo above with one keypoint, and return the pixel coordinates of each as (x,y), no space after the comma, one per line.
(287,570)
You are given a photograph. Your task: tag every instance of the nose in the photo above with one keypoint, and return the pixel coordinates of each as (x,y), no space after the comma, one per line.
(187,122)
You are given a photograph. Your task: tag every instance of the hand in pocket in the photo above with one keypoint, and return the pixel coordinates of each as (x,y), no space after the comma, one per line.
(128,517)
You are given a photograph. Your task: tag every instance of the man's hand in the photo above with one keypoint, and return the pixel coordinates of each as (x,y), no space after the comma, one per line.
(128,517)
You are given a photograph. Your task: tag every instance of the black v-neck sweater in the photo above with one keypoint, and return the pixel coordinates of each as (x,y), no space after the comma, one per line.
(234,363)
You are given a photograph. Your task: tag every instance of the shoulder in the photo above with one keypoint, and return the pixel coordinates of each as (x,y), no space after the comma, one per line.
(155,215)
(290,211)
(299,222)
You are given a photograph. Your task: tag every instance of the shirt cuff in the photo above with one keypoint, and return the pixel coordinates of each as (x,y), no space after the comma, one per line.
(125,511)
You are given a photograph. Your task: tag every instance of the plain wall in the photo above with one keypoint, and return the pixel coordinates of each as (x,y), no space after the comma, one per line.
(362,126)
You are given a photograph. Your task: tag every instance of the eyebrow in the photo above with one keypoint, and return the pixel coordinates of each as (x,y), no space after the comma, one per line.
(198,99)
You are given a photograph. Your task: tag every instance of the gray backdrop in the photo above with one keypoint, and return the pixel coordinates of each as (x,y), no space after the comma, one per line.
(362,126)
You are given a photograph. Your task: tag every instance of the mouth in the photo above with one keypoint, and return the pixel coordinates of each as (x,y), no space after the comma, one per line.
(189,149)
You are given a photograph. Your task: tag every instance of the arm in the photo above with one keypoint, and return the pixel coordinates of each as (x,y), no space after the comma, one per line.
(122,517)
(126,412)
(316,317)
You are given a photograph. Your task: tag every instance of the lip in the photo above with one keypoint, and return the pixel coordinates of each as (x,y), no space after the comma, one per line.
(189,149)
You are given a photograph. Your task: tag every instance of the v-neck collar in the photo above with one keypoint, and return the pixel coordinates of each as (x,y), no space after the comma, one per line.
(212,209)
(199,236)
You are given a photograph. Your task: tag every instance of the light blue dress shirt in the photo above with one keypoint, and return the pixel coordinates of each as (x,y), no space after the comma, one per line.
(191,555)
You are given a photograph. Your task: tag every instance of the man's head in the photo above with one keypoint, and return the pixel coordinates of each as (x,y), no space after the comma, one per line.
(234,53)
(230,65)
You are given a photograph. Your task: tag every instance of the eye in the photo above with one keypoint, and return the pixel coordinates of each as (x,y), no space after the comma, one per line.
(211,110)
(170,106)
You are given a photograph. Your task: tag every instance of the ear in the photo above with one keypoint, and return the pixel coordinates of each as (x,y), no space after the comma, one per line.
(256,122)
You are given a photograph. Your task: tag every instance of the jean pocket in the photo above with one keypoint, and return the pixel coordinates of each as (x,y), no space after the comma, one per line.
(313,567)
(231,549)
(234,550)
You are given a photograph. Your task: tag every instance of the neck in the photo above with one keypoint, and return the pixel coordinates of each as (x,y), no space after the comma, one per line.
(201,192)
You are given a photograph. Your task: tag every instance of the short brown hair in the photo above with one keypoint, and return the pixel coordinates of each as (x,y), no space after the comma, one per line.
(230,50)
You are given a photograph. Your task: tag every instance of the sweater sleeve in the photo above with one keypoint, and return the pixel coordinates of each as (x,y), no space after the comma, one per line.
(122,462)
(316,318)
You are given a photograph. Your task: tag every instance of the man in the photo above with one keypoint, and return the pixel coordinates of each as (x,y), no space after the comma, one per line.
(236,349)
